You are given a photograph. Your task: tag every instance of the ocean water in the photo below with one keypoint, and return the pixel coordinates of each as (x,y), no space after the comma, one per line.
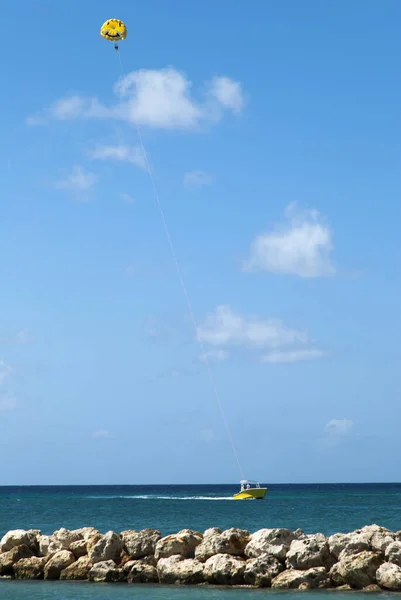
(313,508)
(86,591)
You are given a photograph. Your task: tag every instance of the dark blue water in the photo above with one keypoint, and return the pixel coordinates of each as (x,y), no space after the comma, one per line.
(325,508)
(313,508)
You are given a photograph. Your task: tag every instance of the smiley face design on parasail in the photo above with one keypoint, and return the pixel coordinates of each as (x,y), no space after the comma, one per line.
(113,30)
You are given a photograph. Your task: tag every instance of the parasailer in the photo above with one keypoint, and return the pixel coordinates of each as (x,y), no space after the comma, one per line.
(114,30)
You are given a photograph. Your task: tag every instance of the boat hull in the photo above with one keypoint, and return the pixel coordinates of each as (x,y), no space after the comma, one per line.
(252,494)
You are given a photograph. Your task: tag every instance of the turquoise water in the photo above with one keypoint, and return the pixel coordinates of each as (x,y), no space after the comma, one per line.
(84,591)
(325,508)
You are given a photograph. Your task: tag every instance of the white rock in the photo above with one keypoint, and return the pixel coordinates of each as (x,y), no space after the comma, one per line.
(393,553)
(312,551)
(212,531)
(388,576)
(19,537)
(48,544)
(79,548)
(66,537)
(29,568)
(380,542)
(175,569)
(356,570)
(309,579)
(261,570)
(141,572)
(85,533)
(108,548)
(77,571)
(224,569)
(232,541)
(348,543)
(140,543)
(57,563)
(8,559)
(105,571)
(183,543)
(261,542)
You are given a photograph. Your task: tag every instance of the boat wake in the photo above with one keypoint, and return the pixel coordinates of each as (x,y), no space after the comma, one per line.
(183,497)
(155,497)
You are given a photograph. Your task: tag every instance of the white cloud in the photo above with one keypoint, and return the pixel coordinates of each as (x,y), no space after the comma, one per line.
(228,93)
(70,108)
(159,99)
(290,356)
(78,180)
(5,371)
(196,179)
(132,154)
(155,98)
(66,108)
(301,246)
(7,402)
(336,430)
(223,327)
(128,199)
(102,433)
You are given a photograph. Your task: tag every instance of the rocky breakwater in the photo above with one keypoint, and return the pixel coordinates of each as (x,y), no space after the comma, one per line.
(367,559)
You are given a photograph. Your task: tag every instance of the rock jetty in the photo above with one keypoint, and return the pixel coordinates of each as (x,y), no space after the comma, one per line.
(367,559)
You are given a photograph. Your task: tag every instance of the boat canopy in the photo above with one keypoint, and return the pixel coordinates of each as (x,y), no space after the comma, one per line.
(250,481)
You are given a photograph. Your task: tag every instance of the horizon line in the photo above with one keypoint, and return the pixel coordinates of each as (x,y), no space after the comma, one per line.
(3,485)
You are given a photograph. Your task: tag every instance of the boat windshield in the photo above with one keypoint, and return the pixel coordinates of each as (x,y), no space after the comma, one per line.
(247,484)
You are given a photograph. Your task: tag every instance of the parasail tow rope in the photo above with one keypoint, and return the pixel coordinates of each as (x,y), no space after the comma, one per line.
(184,287)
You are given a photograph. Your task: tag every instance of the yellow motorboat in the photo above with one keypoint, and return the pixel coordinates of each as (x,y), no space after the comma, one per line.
(250,490)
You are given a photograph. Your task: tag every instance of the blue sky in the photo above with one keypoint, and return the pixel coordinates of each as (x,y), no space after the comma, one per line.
(273,134)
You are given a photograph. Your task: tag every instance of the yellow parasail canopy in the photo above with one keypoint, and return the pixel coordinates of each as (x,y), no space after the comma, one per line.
(113,30)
